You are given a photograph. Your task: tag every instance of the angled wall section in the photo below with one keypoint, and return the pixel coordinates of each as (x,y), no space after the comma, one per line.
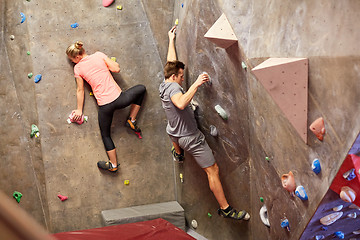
(286,80)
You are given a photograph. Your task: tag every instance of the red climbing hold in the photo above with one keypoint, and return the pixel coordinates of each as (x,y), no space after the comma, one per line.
(107,3)
(62,198)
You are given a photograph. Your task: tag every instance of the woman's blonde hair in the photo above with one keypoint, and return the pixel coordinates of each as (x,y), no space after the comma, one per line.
(75,49)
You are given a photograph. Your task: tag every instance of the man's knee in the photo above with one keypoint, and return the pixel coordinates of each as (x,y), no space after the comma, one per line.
(214,169)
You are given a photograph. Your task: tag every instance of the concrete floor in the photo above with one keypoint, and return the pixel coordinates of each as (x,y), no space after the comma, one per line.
(63,160)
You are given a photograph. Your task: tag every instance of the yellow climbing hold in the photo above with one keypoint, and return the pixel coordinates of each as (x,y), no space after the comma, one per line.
(126,182)
(177,21)
(113,58)
(119,7)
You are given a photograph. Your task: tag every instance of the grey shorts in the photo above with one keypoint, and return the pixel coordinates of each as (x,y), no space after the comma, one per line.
(197,146)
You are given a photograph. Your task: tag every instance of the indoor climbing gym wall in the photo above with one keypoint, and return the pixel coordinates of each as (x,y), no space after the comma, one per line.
(287,76)
(61,160)
(280,113)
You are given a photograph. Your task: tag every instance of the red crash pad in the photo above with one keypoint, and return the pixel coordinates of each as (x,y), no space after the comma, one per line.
(158,229)
(351,161)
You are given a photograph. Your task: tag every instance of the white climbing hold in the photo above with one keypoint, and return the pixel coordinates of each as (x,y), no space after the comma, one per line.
(264,215)
(213,131)
(331,218)
(338,208)
(352,215)
(194,223)
(353,206)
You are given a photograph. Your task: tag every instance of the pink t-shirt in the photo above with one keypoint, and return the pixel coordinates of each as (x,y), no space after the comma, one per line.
(94,70)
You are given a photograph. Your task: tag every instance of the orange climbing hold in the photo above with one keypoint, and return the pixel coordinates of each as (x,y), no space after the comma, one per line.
(318,128)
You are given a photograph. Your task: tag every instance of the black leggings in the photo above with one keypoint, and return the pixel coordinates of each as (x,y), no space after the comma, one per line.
(134,95)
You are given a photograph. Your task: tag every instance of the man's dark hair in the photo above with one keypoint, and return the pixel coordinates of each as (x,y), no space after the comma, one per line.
(173,67)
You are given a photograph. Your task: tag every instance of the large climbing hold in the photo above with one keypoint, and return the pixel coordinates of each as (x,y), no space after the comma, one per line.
(107,3)
(221,33)
(286,81)
(347,194)
(318,128)
(331,218)
(288,182)
(264,216)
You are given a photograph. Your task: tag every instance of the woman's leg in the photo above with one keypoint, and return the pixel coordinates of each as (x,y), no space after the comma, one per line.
(105,116)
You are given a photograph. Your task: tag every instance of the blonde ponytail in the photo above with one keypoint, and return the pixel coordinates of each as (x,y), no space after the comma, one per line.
(75,49)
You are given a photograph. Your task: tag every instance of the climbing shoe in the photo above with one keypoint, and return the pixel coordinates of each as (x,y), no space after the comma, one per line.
(132,125)
(232,213)
(107,166)
(177,157)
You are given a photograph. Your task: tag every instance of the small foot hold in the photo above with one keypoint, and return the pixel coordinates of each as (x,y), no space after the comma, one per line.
(62,198)
(138,134)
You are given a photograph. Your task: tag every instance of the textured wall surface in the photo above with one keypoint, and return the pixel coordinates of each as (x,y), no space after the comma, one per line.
(63,160)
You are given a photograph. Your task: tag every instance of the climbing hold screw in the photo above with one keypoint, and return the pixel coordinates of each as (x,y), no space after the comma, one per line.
(17,196)
(221,112)
(126,182)
(30,75)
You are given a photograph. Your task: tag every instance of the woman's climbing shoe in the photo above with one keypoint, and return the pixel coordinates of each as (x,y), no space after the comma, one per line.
(232,213)
(134,127)
(177,157)
(107,166)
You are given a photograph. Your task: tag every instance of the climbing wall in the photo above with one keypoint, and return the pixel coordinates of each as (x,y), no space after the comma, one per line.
(272,146)
(62,160)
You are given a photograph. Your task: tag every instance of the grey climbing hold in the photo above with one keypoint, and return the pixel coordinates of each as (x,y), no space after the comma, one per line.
(319,237)
(221,112)
(338,208)
(213,131)
(243,65)
(209,82)
(194,223)
(352,215)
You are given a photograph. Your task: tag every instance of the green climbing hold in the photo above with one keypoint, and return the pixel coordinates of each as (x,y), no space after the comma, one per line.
(30,75)
(261,199)
(28,53)
(267,158)
(17,196)
(209,215)
(34,131)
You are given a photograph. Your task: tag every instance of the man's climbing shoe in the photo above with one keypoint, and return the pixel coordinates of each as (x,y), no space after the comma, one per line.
(232,213)
(107,166)
(134,127)
(177,157)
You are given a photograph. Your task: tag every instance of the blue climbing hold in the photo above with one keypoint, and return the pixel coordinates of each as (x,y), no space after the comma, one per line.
(301,193)
(316,167)
(37,78)
(324,228)
(339,234)
(74,25)
(285,224)
(23,18)
(350,175)
(182,5)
